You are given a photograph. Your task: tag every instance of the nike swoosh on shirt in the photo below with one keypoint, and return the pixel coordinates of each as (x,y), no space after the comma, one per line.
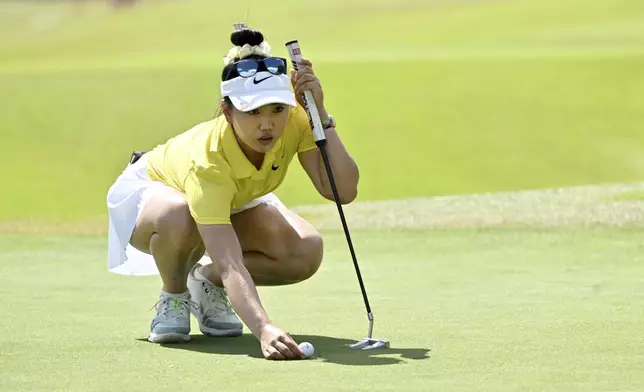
(278,166)
(255,81)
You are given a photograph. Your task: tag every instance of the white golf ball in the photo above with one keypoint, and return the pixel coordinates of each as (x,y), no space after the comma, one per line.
(307,348)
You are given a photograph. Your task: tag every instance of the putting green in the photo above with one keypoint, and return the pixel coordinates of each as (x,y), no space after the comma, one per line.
(536,303)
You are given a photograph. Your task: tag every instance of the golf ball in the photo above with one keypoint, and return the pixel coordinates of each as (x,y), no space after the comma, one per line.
(307,348)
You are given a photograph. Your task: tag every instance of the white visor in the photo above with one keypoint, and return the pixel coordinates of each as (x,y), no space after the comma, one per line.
(262,89)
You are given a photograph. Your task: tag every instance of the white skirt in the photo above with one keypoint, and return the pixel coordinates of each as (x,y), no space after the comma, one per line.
(125,201)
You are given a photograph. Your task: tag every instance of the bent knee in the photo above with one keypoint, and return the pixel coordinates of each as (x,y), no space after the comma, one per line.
(177,226)
(302,257)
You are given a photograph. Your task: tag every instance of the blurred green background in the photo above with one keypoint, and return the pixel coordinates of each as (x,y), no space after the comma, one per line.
(431,97)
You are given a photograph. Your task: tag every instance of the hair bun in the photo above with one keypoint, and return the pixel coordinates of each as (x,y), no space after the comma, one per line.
(246,36)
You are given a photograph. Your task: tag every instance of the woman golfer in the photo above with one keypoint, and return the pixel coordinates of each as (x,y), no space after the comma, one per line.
(209,190)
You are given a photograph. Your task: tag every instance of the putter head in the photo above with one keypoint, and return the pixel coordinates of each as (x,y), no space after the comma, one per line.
(370,344)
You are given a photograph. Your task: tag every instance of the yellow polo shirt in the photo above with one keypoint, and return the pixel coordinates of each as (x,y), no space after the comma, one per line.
(207,164)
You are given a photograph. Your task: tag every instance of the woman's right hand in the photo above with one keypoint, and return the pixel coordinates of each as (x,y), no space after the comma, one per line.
(277,344)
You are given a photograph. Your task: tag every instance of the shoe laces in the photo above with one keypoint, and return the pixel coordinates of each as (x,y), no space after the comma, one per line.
(217,298)
(173,307)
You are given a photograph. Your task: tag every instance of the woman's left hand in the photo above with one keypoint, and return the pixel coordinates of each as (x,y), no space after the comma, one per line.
(304,79)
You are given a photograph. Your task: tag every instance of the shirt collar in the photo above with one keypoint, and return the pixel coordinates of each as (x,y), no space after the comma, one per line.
(240,166)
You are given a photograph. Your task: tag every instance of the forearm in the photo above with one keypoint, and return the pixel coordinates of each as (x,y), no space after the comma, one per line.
(243,296)
(345,170)
(225,251)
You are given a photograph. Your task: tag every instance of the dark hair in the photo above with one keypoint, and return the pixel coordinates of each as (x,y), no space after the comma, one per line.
(240,38)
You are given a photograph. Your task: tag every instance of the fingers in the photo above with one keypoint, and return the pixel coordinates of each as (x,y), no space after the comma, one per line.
(292,345)
(301,72)
(272,353)
(303,85)
(314,89)
(305,62)
(304,79)
(283,348)
(304,69)
(286,351)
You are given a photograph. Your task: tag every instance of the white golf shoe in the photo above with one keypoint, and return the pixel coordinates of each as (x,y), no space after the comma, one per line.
(172,322)
(214,313)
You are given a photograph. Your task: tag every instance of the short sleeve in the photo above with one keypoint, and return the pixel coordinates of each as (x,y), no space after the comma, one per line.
(301,120)
(209,193)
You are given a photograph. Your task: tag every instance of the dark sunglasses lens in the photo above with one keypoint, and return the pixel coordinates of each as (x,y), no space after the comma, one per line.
(275,65)
(247,68)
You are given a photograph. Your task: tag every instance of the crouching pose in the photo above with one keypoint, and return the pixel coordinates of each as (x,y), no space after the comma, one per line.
(209,189)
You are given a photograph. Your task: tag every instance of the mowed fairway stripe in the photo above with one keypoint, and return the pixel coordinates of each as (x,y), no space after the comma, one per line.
(590,206)
(200,59)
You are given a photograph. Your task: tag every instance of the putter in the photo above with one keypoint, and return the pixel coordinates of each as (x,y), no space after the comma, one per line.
(369,342)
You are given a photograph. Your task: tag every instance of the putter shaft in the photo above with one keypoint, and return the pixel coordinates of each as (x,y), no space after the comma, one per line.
(321,145)
(367,343)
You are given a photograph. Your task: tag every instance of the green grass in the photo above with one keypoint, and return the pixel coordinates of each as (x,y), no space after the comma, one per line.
(433,98)
(469,97)
(485,310)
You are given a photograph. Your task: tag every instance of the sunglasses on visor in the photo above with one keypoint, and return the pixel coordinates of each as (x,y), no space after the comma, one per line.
(249,67)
